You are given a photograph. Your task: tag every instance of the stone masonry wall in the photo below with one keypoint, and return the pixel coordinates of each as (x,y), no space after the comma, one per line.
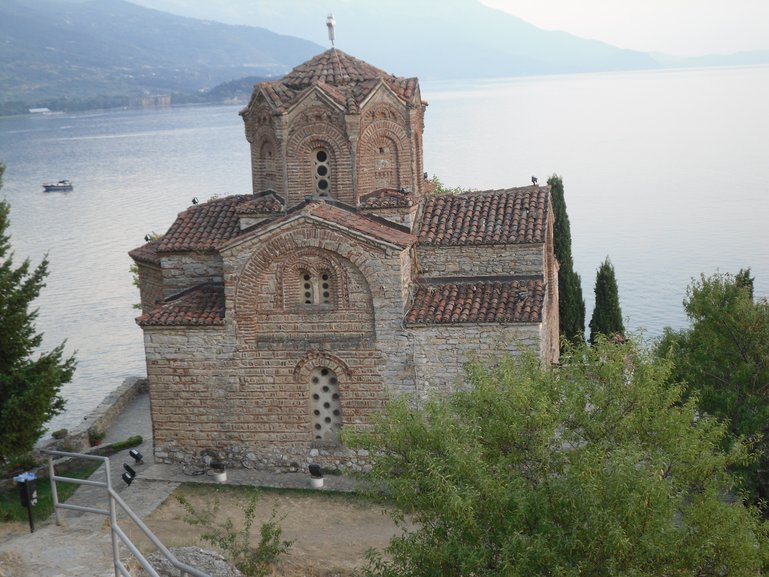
(484,260)
(150,286)
(183,271)
(440,351)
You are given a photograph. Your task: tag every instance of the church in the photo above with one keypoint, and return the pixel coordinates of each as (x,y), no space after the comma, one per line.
(274,320)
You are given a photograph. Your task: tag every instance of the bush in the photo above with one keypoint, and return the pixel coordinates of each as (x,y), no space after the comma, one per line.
(235,544)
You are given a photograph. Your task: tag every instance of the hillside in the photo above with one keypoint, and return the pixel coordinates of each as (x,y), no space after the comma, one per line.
(79,54)
(77,50)
(449,39)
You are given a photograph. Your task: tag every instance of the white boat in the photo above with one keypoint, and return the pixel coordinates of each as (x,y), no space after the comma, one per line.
(62,185)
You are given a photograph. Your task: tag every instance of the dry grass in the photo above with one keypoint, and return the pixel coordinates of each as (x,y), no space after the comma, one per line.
(330,532)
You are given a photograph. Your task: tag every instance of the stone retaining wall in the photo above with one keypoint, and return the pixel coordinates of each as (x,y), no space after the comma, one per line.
(101,418)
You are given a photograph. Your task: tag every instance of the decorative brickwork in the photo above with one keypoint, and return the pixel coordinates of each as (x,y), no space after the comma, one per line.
(275,320)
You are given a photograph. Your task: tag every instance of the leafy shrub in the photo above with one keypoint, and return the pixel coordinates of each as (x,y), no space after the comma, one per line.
(235,544)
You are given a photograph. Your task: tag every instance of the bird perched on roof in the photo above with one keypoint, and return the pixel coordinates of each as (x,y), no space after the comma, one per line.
(534,180)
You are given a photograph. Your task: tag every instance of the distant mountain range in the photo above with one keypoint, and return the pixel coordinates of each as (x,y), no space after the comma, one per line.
(102,48)
(81,53)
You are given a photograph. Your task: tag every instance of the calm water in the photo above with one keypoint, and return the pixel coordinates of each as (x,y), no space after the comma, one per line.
(665,172)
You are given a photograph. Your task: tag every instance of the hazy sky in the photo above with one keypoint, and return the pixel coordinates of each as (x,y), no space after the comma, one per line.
(679,27)
(684,27)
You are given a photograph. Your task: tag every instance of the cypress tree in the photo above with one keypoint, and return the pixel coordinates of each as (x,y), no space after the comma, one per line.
(29,387)
(571,304)
(607,315)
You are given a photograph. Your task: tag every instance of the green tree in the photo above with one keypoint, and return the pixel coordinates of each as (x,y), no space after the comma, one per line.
(571,304)
(723,358)
(29,387)
(607,314)
(597,467)
(440,188)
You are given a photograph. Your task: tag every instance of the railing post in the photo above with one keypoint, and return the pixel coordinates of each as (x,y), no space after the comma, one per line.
(54,492)
(112,522)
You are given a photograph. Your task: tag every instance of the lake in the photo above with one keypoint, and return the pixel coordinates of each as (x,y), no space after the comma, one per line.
(667,173)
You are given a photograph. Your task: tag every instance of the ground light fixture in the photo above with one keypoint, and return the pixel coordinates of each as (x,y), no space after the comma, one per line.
(136,456)
(129,475)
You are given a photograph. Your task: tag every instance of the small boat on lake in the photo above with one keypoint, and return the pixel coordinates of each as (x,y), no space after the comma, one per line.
(61,186)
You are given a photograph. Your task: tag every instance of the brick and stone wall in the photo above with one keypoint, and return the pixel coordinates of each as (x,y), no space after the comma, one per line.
(480,260)
(243,390)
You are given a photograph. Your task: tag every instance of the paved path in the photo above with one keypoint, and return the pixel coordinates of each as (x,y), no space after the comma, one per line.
(81,546)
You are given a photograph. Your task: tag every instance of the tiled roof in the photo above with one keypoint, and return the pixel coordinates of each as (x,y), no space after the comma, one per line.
(387,198)
(507,216)
(331,67)
(371,226)
(262,203)
(147,253)
(209,226)
(204,226)
(344,78)
(456,301)
(200,306)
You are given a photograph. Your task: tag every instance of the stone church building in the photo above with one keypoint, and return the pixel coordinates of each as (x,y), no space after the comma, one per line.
(273,320)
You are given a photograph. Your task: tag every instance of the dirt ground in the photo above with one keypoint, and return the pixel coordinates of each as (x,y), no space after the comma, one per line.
(330,532)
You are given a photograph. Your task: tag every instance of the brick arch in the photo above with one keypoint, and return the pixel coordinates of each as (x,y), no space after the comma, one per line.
(309,236)
(314,260)
(383,134)
(382,111)
(265,160)
(313,359)
(256,119)
(299,150)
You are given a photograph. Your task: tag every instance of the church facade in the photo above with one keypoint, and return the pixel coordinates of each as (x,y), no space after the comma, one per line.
(273,320)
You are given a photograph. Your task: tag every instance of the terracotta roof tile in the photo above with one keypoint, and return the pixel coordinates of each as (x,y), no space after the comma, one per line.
(263,203)
(457,301)
(200,306)
(371,226)
(331,67)
(507,216)
(204,226)
(147,253)
(344,78)
(387,198)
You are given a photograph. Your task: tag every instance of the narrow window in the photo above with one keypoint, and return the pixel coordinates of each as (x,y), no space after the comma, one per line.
(325,288)
(316,288)
(308,288)
(322,173)
(326,417)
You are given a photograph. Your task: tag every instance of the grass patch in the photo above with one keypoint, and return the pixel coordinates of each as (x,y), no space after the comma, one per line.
(10,506)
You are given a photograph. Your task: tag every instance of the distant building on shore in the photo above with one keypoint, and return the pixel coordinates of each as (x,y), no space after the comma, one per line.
(153,100)
(275,319)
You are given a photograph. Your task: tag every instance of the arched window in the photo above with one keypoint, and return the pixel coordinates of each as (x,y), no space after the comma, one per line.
(316,288)
(326,410)
(322,173)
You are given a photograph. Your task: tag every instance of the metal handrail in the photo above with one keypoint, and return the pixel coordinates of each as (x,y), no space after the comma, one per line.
(116,532)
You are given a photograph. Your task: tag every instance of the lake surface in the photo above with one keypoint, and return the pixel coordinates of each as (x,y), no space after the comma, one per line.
(667,173)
